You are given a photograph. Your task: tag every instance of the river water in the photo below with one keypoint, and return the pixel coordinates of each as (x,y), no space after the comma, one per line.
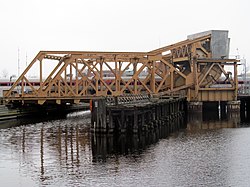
(63,152)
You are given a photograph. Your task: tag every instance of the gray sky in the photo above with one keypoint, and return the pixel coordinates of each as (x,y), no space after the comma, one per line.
(114,25)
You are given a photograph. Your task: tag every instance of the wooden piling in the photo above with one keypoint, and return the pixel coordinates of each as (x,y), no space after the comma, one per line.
(127,115)
(98,116)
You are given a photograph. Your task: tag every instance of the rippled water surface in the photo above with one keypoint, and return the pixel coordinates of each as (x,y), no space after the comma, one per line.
(64,153)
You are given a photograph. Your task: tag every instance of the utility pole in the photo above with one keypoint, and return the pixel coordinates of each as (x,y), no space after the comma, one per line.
(18,63)
(26,63)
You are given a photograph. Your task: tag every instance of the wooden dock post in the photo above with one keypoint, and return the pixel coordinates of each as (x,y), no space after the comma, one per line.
(135,121)
(98,116)
(124,115)
(123,121)
(110,124)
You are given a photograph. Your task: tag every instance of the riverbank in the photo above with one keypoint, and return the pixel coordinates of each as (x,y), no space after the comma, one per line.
(7,113)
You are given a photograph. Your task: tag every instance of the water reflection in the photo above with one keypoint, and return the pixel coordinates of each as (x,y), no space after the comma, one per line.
(106,146)
(64,153)
(213,120)
(48,148)
(52,148)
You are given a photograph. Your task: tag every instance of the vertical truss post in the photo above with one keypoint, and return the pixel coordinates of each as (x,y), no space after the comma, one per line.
(171,80)
(196,83)
(119,76)
(152,82)
(136,79)
(235,81)
(101,74)
(41,75)
(76,83)
(22,89)
(65,78)
(70,77)
(59,89)
(116,77)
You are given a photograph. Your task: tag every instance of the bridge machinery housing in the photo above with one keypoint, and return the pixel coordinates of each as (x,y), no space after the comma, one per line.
(197,68)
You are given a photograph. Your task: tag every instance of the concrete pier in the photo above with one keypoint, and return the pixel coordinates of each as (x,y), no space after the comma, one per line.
(195,106)
(245,107)
(233,106)
(230,106)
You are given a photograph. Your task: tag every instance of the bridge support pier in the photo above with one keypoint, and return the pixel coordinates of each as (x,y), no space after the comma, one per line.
(245,108)
(233,110)
(233,106)
(137,117)
(195,106)
(98,115)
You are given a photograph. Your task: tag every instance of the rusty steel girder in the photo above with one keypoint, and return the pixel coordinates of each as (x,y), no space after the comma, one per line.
(186,68)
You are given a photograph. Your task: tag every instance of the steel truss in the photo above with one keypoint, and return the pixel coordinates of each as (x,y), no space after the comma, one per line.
(185,68)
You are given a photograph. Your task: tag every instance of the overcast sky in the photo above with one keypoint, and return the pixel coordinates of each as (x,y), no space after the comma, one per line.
(114,25)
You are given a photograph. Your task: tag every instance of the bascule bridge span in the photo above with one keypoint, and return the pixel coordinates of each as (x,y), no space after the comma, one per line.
(197,68)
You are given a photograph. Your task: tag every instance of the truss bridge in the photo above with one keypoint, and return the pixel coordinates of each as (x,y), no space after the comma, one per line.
(197,68)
